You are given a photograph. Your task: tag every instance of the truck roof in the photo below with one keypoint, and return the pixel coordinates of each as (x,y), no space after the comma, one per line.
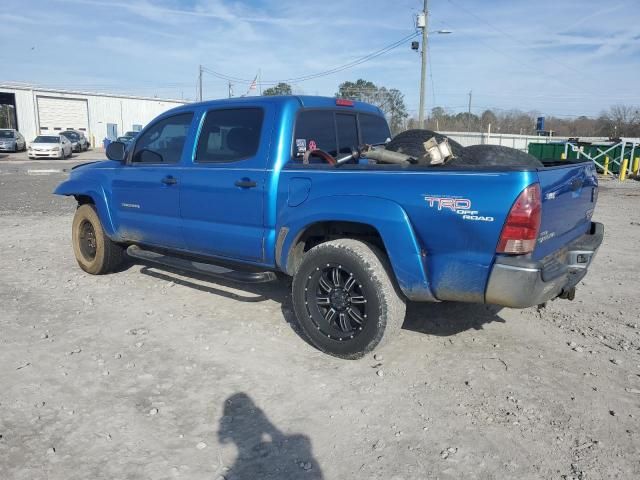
(305,101)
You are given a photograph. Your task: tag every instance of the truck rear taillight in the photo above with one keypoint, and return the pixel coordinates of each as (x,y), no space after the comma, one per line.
(520,230)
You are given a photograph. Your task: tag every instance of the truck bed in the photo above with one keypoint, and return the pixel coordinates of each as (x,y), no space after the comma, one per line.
(457,214)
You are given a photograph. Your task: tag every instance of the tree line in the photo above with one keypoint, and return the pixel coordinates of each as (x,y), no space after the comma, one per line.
(617,121)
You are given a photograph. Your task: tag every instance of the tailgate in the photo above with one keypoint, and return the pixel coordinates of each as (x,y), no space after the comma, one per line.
(569,194)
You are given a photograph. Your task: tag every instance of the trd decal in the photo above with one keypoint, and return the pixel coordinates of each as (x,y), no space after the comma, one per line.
(452,204)
(460,206)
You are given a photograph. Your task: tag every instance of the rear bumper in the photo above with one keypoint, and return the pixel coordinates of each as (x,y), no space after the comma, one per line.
(521,282)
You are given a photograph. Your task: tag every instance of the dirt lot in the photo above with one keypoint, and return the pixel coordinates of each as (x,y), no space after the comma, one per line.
(150,375)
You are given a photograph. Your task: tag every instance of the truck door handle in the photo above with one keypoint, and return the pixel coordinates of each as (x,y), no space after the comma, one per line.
(245,183)
(169,180)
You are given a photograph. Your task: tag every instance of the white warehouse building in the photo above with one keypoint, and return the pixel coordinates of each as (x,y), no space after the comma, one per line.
(34,111)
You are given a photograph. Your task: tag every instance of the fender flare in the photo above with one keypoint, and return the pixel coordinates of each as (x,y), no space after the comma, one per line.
(97,194)
(387,217)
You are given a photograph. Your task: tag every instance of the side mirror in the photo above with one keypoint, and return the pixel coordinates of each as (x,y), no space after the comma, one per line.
(116,151)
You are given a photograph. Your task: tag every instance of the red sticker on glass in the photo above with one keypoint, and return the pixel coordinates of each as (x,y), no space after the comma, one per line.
(313,145)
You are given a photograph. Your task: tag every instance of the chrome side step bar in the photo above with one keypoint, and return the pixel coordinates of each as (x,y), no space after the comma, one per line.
(202,268)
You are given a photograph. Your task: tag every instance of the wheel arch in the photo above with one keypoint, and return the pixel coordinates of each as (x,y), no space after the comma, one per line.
(324,230)
(89,194)
(379,221)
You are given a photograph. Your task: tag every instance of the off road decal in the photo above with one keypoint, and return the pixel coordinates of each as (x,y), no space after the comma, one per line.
(459,206)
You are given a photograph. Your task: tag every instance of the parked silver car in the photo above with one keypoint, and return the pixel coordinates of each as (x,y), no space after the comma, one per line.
(11,140)
(79,142)
(50,146)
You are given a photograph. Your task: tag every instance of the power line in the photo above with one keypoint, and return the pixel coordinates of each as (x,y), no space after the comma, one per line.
(312,76)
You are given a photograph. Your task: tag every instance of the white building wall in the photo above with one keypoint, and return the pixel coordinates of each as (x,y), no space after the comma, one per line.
(102,109)
(124,112)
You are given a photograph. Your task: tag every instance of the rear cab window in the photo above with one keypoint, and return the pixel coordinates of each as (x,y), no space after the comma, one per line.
(373,129)
(316,130)
(337,132)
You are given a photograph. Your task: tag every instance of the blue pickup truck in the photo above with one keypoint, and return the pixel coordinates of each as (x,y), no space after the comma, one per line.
(252,188)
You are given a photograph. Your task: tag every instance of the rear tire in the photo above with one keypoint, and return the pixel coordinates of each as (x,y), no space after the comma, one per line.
(494,155)
(345,300)
(95,252)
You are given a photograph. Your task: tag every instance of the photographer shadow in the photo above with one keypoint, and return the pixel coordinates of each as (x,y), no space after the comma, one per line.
(264,451)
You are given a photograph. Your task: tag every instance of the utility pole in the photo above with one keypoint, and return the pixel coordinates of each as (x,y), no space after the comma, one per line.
(423,71)
(230,90)
(200,82)
(469,112)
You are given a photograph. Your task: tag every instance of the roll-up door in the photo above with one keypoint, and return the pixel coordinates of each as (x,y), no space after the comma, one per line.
(56,114)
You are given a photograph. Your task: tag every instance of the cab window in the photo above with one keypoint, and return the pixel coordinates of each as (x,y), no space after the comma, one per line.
(315,130)
(373,129)
(347,126)
(164,141)
(337,132)
(230,135)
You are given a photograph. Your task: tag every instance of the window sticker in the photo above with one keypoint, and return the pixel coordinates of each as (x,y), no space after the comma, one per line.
(301,145)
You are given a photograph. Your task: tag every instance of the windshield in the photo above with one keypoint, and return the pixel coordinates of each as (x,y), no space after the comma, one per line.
(71,135)
(6,134)
(46,139)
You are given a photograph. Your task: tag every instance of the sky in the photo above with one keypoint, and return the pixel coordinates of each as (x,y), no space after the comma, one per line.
(554,57)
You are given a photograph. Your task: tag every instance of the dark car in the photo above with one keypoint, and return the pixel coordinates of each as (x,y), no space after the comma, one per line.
(78,140)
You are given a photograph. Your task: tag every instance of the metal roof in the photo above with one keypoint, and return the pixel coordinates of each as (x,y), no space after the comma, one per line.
(24,86)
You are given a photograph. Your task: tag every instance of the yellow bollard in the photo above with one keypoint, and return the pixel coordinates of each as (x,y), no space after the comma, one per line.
(563,156)
(623,169)
(636,166)
(606,165)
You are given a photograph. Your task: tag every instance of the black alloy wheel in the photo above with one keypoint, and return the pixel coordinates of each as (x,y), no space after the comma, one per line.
(335,302)
(344,298)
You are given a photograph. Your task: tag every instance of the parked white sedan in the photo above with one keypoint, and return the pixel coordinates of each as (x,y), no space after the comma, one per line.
(50,146)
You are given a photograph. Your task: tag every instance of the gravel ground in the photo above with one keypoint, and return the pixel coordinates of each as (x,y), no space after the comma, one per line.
(149,374)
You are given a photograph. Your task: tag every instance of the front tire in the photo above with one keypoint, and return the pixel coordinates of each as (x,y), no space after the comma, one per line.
(345,299)
(95,252)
